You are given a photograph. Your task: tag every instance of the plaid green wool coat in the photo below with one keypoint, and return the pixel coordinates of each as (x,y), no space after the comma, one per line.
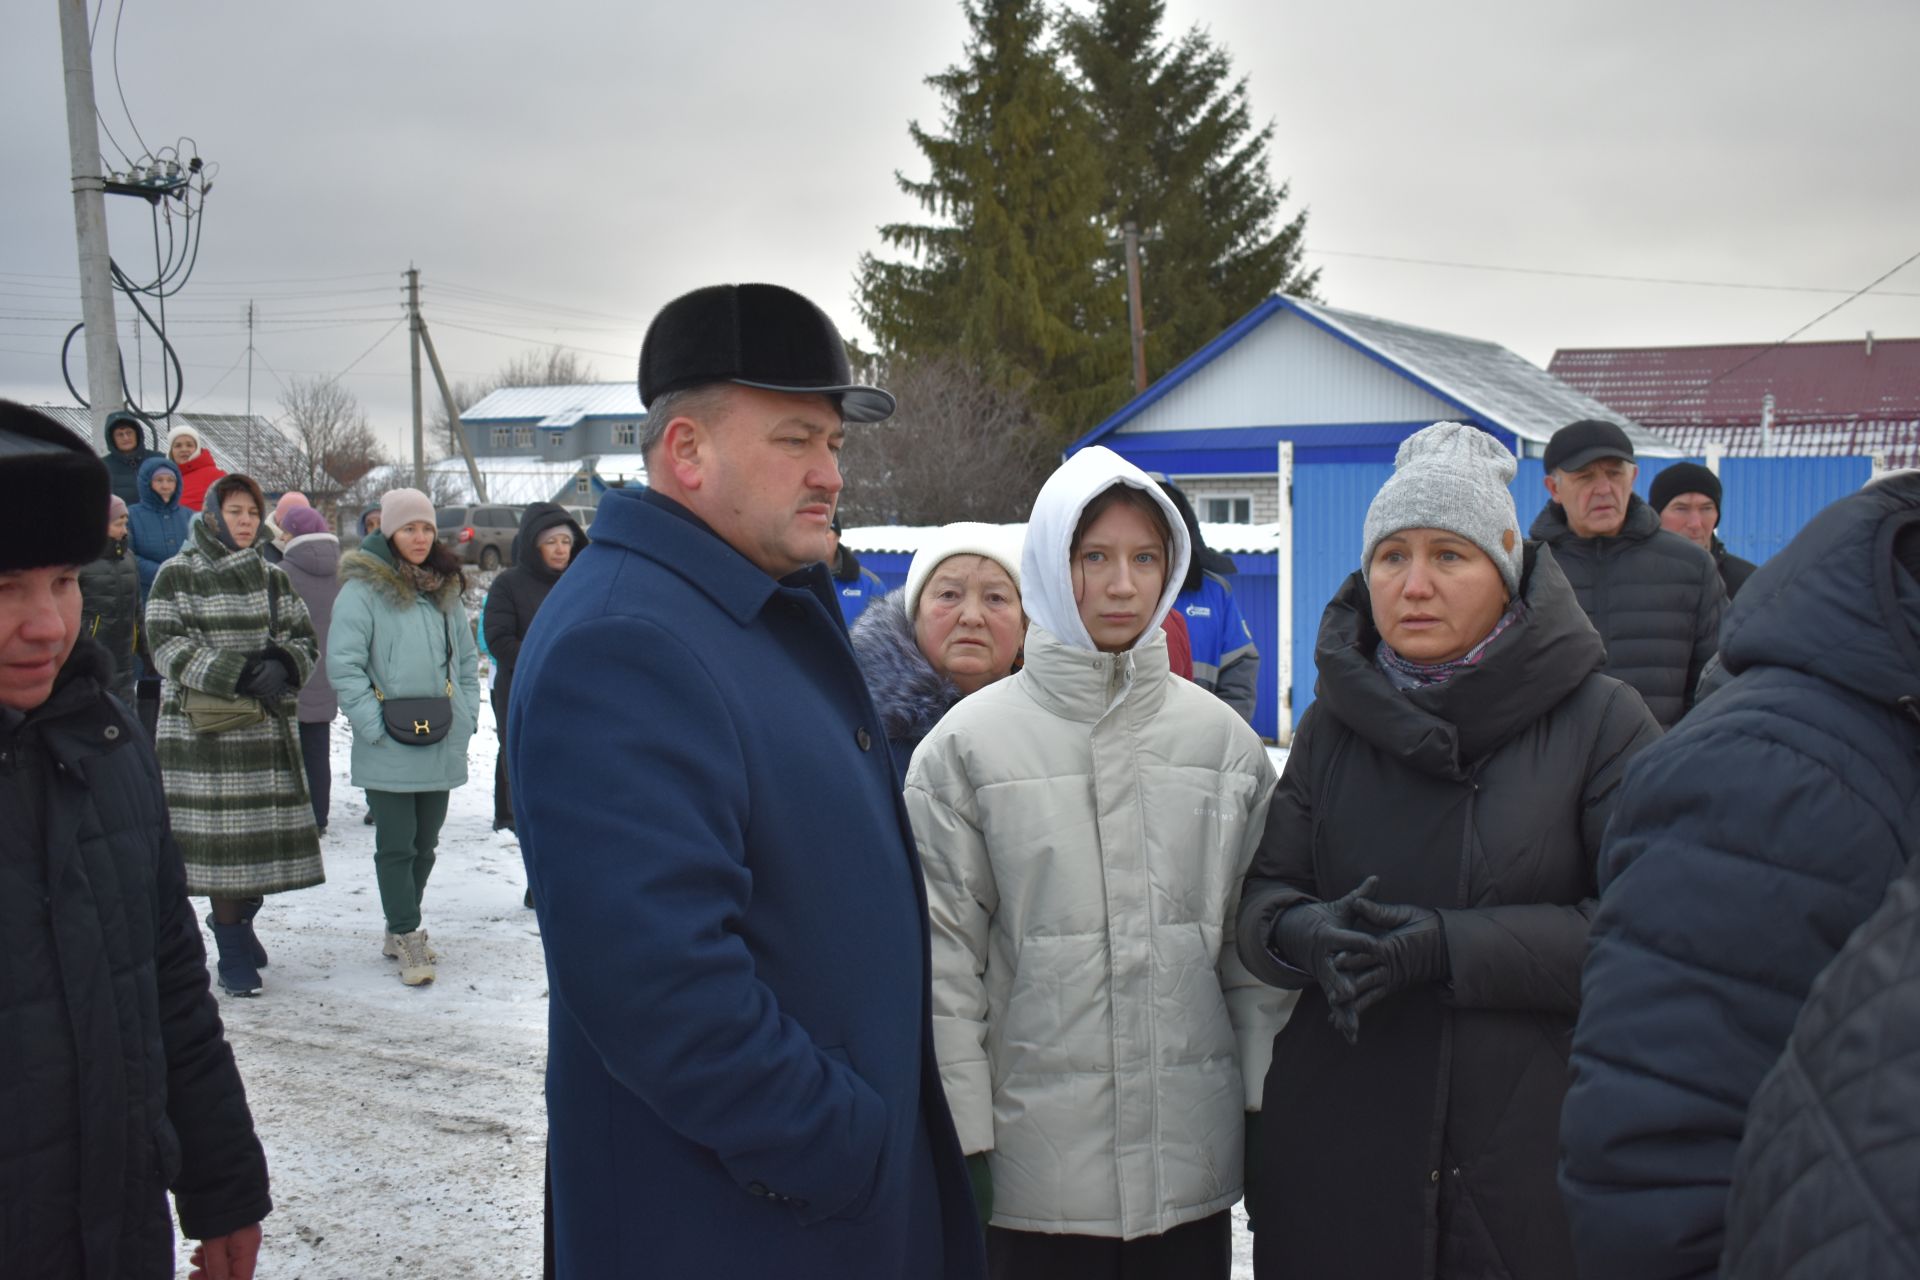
(241,813)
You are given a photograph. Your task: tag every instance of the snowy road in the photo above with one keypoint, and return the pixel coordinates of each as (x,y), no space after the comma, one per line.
(404,1127)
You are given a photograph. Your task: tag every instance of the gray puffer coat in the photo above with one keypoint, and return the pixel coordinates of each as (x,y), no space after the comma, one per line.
(1654,597)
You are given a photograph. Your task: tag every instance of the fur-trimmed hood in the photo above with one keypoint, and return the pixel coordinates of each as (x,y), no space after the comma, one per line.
(907,692)
(372,563)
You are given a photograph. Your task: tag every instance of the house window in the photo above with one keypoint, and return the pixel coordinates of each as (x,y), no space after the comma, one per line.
(502,437)
(626,433)
(523,437)
(582,485)
(555,439)
(1233,508)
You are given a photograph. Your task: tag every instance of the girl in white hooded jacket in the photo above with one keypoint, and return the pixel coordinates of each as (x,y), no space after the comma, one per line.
(1084,826)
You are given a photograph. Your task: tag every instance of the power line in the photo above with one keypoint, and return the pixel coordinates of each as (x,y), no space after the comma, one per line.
(1590,275)
(518,337)
(1701,390)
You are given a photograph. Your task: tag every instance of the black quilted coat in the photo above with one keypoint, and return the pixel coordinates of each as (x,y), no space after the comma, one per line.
(1827,1182)
(1428,1149)
(1654,597)
(1746,847)
(116,1082)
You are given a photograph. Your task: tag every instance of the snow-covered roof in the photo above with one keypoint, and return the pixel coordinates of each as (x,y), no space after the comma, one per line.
(515,481)
(582,400)
(628,467)
(1357,358)
(238,441)
(905,539)
(1483,376)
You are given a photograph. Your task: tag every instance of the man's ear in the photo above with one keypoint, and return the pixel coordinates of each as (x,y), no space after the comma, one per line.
(1553,489)
(684,450)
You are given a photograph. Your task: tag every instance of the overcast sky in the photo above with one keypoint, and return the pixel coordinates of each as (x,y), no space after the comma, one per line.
(558,171)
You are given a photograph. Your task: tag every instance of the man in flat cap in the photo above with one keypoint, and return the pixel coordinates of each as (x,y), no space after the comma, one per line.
(741,1077)
(115,1076)
(1654,597)
(1687,497)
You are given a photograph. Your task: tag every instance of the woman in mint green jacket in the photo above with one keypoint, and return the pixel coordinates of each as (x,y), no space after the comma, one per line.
(400,631)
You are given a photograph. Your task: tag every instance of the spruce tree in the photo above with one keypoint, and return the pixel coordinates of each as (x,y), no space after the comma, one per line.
(1184,163)
(1007,276)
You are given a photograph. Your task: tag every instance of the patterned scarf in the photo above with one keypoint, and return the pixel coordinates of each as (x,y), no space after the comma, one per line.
(422,579)
(1404,674)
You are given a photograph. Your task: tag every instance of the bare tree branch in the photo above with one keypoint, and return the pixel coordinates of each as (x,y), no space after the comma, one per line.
(957,448)
(334,442)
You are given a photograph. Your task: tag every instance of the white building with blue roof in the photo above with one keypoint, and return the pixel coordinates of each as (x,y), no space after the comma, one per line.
(1338,386)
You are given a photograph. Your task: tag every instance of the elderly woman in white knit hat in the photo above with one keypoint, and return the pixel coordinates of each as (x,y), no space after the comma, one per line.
(405,666)
(1426,880)
(954,629)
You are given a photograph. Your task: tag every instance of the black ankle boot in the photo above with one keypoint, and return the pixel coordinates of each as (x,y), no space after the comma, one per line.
(249,909)
(236,971)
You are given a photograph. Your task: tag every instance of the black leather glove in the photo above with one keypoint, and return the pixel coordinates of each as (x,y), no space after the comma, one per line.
(264,677)
(1409,949)
(1310,935)
(982,1179)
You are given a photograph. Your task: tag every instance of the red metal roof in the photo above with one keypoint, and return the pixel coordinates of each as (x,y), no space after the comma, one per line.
(1829,397)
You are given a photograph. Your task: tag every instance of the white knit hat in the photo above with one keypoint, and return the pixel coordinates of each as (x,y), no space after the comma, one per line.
(400,507)
(189,433)
(1451,476)
(998,543)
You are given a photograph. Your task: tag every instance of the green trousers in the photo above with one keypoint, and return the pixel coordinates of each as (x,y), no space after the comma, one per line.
(406,830)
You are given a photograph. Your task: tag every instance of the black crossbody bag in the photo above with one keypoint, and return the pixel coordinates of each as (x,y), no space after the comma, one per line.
(419,722)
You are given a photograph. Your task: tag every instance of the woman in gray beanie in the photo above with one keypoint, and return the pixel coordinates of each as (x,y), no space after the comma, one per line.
(1425,880)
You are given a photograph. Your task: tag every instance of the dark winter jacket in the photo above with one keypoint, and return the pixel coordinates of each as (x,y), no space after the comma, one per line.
(519,592)
(1734,571)
(1654,597)
(312,562)
(907,692)
(1824,1182)
(123,466)
(1745,848)
(856,586)
(110,604)
(116,1082)
(741,1077)
(1428,1148)
(155,529)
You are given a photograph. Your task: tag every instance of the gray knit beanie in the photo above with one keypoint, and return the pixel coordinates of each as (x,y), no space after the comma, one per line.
(1454,477)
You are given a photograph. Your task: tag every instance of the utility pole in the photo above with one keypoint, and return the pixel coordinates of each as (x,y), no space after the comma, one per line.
(90,218)
(249,360)
(419,422)
(453,411)
(1135,324)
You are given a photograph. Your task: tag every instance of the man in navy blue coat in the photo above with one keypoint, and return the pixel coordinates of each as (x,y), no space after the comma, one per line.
(1744,848)
(740,1078)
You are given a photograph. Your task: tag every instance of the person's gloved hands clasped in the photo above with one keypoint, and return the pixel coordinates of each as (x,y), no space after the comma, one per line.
(1409,948)
(265,676)
(1310,935)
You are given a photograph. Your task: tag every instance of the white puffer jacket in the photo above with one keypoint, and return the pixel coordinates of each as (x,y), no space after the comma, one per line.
(1084,826)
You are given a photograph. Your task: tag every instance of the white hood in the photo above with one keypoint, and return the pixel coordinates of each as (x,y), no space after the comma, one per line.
(1046,574)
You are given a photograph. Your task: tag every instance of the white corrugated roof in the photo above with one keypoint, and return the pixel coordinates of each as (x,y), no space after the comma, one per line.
(1522,397)
(588,399)
(516,481)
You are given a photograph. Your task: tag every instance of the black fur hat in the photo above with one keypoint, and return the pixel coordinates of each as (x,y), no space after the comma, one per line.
(55,512)
(755,335)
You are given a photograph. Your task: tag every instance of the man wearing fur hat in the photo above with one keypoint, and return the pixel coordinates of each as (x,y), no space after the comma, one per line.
(1654,598)
(740,1074)
(116,1075)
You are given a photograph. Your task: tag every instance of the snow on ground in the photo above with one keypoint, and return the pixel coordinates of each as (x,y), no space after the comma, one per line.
(404,1126)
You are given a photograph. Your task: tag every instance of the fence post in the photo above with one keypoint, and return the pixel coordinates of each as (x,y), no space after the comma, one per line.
(1283,567)
(1716,450)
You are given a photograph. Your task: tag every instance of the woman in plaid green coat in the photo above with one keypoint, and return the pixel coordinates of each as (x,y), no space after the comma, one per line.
(222,620)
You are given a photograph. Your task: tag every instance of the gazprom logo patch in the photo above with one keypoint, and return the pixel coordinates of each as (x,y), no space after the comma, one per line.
(1199,611)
